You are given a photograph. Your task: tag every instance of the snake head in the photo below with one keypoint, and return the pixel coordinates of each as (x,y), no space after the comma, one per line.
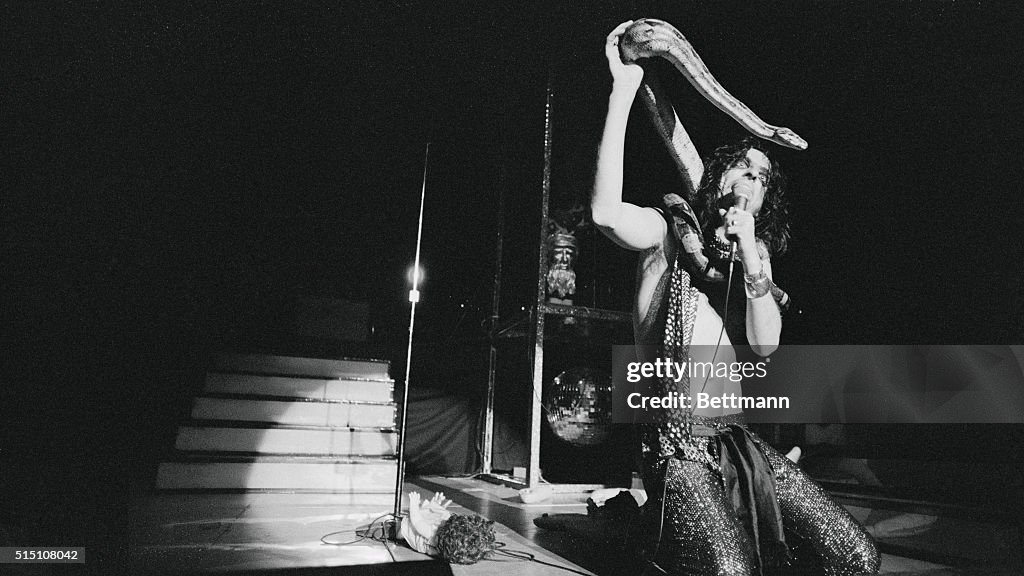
(639,40)
(788,138)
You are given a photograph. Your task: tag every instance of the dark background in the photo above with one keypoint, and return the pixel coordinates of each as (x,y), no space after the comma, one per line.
(174,172)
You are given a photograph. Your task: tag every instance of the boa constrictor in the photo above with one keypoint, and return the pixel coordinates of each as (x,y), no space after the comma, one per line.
(647,38)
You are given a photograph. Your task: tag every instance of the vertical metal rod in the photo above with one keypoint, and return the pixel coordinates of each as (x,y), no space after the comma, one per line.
(492,361)
(533,472)
(414,297)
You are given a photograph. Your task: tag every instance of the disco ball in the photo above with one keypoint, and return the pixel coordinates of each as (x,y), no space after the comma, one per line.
(579,406)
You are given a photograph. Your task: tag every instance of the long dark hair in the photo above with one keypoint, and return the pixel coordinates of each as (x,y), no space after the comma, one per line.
(772,225)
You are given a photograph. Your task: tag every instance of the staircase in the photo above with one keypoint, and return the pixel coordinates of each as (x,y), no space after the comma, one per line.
(288,424)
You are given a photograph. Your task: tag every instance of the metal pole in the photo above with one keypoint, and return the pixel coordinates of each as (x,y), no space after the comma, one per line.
(533,472)
(492,361)
(414,297)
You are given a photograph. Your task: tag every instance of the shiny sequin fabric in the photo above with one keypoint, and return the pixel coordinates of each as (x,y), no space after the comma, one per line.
(703,536)
(702,530)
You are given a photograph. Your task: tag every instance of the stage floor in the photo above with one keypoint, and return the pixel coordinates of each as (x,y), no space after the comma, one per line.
(247,533)
(271,532)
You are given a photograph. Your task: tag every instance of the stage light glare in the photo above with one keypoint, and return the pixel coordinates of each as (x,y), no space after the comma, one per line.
(414,275)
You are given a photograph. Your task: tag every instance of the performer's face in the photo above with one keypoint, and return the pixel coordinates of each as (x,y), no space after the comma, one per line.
(748,177)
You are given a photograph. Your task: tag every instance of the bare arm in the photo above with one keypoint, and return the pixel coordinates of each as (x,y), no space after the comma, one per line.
(626,224)
(764,320)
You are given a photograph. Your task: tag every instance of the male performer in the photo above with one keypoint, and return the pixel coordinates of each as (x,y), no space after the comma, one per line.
(728,503)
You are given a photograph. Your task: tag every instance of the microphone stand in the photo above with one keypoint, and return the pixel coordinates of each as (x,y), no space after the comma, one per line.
(414,297)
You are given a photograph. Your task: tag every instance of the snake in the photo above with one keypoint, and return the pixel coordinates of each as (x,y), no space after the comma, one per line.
(648,38)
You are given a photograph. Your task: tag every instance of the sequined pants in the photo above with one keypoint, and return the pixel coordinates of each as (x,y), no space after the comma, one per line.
(701,535)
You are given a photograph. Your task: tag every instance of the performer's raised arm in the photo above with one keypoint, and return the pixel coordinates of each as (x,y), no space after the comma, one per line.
(626,224)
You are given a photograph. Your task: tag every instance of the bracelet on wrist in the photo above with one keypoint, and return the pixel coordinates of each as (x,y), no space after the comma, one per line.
(758,289)
(760,276)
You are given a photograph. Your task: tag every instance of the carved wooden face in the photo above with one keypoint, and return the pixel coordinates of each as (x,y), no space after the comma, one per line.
(562,257)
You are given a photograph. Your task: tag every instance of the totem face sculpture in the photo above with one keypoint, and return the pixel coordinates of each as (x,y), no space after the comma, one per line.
(561,277)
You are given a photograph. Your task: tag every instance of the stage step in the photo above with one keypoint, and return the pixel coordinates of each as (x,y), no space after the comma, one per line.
(376,476)
(295,366)
(296,412)
(289,423)
(350,390)
(287,440)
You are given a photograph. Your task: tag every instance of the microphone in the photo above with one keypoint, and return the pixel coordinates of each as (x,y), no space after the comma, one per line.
(739,201)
